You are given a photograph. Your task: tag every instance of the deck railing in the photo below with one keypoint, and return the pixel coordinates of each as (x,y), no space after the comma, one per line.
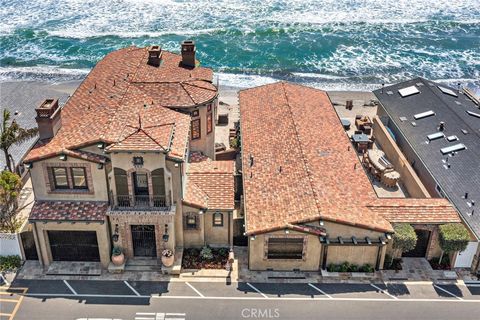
(143,202)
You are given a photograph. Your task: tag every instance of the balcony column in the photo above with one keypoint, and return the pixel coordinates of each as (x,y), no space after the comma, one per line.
(150,188)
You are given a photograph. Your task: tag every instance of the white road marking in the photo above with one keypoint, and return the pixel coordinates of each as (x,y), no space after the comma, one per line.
(176,314)
(70,287)
(145,313)
(319,290)
(244,298)
(258,291)
(472,285)
(446,291)
(194,289)
(131,288)
(144,318)
(383,291)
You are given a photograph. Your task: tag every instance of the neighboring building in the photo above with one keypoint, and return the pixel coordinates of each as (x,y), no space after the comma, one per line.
(112,166)
(307,199)
(438,130)
(21,99)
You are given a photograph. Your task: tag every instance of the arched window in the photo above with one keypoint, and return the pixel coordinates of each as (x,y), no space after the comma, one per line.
(217,219)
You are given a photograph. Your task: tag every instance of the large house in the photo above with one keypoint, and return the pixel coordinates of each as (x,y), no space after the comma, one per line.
(438,130)
(308,201)
(129,161)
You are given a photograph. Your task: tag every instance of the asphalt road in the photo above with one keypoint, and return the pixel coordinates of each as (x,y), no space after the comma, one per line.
(139,300)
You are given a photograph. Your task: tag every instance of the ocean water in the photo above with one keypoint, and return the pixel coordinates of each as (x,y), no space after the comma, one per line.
(330,44)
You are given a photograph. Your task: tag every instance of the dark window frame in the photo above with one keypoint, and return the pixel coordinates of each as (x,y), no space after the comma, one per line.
(214,224)
(55,184)
(191,226)
(196,137)
(209,122)
(283,243)
(84,175)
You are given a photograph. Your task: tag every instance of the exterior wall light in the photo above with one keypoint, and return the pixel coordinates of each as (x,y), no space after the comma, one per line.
(101,145)
(100,166)
(253,237)
(166,236)
(29,165)
(115,235)
(63,157)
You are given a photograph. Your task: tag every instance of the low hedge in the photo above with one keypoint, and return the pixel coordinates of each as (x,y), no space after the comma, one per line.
(10,263)
(348,267)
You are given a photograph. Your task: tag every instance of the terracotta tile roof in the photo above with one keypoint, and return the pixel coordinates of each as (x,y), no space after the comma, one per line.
(304,167)
(430,211)
(69,210)
(121,87)
(210,184)
(90,156)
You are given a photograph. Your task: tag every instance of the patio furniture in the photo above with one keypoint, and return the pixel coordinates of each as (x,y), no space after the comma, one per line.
(367,129)
(349,105)
(390,179)
(220,146)
(362,122)
(345,123)
(360,140)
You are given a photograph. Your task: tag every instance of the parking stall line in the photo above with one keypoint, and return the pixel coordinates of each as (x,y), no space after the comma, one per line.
(383,291)
(448,292)
(321,291)
(194,289)
(70,287)
(132,288)
(258,291)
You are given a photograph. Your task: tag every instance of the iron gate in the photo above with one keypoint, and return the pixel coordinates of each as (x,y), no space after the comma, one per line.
(74,245)
(28,243)
(420,250)
(143,239)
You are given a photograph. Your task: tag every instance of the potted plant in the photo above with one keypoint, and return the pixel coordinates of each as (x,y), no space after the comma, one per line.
(168,258)
(118,258)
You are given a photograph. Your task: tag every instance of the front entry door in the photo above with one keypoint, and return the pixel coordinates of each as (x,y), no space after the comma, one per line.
(420,250)
(143,239)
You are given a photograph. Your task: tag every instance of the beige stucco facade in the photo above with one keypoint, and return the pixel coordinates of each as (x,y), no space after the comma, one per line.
(206,142)
(316,251)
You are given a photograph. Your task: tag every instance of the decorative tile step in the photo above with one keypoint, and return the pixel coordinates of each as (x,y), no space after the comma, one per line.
(142,268)
(143,262)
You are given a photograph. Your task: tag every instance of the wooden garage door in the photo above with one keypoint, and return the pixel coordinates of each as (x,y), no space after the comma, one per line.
(74,245)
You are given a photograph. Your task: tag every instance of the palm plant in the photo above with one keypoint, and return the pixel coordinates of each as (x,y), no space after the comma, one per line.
(12,133)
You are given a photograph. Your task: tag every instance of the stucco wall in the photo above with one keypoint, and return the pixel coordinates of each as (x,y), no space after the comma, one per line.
(206,143)
(216,235)
(409,178)
(103,238)
(340,230)
(41,184)
(258,261)
(193,238)
(358,255)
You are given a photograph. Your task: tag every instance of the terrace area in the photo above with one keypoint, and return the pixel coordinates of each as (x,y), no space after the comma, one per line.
(372,141)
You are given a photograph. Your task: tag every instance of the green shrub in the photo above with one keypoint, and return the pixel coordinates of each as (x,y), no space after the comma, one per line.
(453,237)
(116,251)
(404,238)
(367,268)
(206,254)
(353,268)
(10,263)
(344,267)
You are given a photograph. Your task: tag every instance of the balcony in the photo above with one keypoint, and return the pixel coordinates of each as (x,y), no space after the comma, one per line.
(140,203)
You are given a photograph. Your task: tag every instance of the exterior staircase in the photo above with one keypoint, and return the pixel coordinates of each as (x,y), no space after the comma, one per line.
(143,265)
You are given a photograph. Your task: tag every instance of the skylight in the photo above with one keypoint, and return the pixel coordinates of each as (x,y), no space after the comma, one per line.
(436,135)
(473,114)
(452,138)
(425,114)
(454,148)
(448,91)
(408,91)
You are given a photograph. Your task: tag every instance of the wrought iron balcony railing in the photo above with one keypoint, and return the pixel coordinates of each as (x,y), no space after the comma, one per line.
(143,202)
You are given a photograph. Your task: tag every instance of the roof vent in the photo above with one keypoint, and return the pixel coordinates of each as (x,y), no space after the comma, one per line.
(408,91)
(441,126)
(154,55)
(188,53)
(435,136)
(452,138)
(473,114)
(455,148)
(448,91)
(48,118)
(425,114)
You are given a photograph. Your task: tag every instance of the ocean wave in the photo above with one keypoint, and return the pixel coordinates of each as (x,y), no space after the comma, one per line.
(81,34)
(42,73)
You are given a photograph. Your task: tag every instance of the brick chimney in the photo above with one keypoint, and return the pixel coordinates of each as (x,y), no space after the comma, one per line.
(154,55)
(48,118)
(188,53)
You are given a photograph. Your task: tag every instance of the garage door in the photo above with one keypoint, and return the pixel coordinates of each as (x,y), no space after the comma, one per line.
(74,245)
(465,258)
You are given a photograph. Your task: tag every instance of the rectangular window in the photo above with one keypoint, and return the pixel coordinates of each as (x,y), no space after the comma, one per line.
(195,129)
(209,122)
(218,219)
(60,178)
(79,178)
(285,248)
(191,222)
